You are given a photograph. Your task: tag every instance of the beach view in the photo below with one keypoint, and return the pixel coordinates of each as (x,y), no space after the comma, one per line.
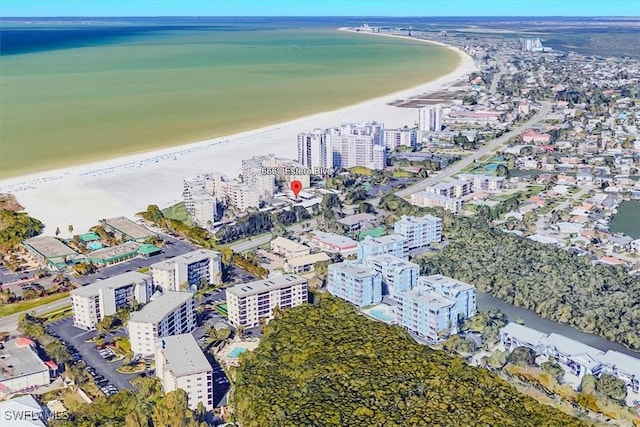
(273,213)
(130,89)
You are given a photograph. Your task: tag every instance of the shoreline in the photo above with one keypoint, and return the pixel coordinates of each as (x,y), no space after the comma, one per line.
(80,195)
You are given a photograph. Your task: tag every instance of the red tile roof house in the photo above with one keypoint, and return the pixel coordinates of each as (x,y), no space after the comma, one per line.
(535,137)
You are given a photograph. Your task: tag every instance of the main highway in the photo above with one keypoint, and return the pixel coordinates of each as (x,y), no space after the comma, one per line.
(491,147)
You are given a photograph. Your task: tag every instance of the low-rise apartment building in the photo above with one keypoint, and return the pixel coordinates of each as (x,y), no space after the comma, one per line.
(457,188)
(248,303)
(354,282)
(580,359)
(188,272)
(173,313)
(93,302)
(304,264)
(180,364)
(336,243)
(288,248)
(420,232)
(430,200)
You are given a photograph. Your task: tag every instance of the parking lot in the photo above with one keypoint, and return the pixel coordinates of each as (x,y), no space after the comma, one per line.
(75,338)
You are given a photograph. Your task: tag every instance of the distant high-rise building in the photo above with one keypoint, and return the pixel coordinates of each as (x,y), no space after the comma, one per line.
(345,147)
(430,118)
(314,150)
(399,137)
(531,44)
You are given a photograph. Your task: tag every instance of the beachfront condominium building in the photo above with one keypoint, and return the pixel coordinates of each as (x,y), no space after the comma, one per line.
(172,313)
(231,192)
(93,302)
(201,206)
(180,364)
(435,306)
(248,303)
(463,294)
(252,176)
(354,282)
(420,232)
(188,272)
(394,138)
(346,146)
(430,118)
(398,275)
(431,200)
(392,244)
(314,150)
(291,170)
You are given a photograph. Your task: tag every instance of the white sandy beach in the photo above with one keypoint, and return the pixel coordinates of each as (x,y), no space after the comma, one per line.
(82,195)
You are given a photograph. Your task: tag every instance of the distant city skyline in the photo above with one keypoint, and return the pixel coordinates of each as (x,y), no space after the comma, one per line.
(346,8)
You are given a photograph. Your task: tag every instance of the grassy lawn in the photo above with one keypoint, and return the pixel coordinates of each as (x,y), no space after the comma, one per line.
(9,309)
(177,212)
(52,316)
(548,208)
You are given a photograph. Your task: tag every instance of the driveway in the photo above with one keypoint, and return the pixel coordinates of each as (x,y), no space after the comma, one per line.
(76,337)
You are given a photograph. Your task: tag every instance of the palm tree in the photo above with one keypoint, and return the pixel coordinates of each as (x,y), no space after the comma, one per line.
(70,228)
(57,351)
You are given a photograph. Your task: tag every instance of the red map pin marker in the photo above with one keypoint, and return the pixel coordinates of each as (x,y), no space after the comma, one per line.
(296,186)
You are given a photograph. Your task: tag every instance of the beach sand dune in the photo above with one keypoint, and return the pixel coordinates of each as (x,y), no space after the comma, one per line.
(82,195)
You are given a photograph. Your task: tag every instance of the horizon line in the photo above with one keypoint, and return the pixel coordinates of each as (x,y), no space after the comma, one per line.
(325,16)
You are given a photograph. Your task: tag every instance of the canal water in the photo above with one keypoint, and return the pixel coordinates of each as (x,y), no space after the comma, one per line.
(485,302)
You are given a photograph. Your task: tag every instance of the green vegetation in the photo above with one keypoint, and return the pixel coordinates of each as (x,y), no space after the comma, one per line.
(326,365)
(193,233)
(16,227)
(555,284)
(261,222)
(177,212)
(145,408)
(28,305)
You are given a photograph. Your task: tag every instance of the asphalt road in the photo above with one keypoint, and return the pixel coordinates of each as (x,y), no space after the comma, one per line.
(484,150)
(266,238)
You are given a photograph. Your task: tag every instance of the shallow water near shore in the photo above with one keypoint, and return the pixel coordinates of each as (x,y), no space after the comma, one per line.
(119,95)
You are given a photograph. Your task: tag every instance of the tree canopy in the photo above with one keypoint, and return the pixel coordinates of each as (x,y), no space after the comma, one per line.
(326,365)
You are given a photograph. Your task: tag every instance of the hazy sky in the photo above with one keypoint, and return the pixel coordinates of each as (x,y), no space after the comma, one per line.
(319,8)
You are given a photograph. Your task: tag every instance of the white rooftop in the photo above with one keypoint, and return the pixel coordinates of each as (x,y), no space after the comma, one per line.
(188,258)
(113,282)
(523,333)
(383,240)
(570,347)
(429,298)
(289,245)
(356,219)
(622,362)
(354,269)
(266,285)
(183,355)
(448,283)
(405,219)
(26,405)
(335,239)
(156,310)
(307,259)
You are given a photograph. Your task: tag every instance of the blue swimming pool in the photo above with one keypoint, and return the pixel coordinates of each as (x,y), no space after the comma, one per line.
(94,246)
(236,352)
(380,314)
